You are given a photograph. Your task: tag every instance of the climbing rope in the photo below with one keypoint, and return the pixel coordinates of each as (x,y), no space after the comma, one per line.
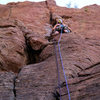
(62,68)
(59,82)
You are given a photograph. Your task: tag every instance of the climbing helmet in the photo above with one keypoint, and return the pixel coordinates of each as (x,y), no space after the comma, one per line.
(60,21)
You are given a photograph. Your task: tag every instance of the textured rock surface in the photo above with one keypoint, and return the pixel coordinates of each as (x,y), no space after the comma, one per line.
(12,46)
(39,82)
(80,50)
(7,86)
(82,69)
(33,15)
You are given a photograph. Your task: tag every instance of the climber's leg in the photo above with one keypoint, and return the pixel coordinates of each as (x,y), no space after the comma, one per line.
(67,31)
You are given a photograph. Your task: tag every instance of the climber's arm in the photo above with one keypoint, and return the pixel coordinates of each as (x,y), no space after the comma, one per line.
(55,27)
(69,28)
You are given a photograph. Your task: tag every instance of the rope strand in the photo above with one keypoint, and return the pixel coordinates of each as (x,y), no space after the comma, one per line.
(61,60)
(63,66)
(57,70)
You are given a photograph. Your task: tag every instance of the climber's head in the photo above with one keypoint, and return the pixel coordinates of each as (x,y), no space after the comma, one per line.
(59,21)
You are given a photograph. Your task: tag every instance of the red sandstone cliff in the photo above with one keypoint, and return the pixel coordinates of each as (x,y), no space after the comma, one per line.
(27,63)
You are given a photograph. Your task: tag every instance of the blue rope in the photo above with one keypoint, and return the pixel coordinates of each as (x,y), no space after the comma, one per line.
(63,66)
(58,71)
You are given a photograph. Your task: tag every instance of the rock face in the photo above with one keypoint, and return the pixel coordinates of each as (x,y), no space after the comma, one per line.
(12,46)
(22,43)
(7,86)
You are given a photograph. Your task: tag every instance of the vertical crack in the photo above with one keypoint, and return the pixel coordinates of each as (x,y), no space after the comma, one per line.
(33,55)
(14,87)
(11,5)
(50,12)
(10,12)
(14,83)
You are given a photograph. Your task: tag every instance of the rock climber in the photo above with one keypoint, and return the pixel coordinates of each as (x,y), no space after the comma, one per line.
(57,29)
(60,27)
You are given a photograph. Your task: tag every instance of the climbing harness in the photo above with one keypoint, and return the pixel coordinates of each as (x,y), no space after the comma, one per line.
(59,27)
(62,28)
(67,29)
(58,94)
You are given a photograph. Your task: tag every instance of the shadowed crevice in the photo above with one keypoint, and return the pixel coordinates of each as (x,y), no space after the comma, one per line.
(14,85)
(7,26)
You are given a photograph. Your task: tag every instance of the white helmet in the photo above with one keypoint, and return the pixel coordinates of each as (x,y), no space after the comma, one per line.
(60,21)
